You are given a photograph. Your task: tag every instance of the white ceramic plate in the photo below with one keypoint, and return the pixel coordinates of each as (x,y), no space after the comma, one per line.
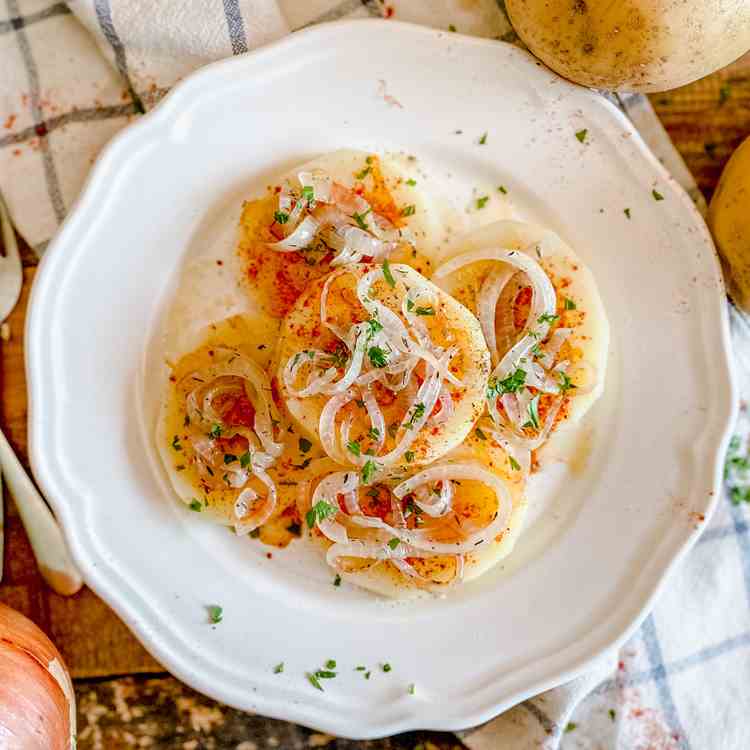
(583,574)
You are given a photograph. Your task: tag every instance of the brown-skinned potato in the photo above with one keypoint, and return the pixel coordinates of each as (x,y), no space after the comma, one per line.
(729,220)
(633,45)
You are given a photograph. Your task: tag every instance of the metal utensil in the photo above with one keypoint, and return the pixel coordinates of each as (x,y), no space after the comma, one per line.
(50,550)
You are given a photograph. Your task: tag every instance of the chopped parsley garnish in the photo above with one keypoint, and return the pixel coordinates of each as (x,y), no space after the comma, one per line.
(409,456)
(304,444)
(547,318)
(331,664)
(482,202)
(337,580)
(255,533)
(229,458)
(570,726)
(425,310)
(215,432)
(409,304)
(338,357)
(612,713)
(513,383)
(280,217)
(377,356)
(451,27)
(325,674)
(410,182)
(319,512)
(374,326)
(360,219)
(367,675)
(393,543)
(245,459)
(313,679)
(565,384)
(360,668)
(483,139)
(478,432)
(409,210)
(353,447)
(196,505)
(503,189)
(626,211)
(215,613)
(308,193)
(361,175)
(418,413)
(368,471)
(736,472)
(279,668)
(533,409)
(387,667)
(657,195)
(569,304)
(581,135)
(514,464)
(373,433)
(176,443)
(412,689)
(387,275)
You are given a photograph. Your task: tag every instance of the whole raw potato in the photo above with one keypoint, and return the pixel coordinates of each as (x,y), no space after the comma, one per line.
(633,45)
(729,219)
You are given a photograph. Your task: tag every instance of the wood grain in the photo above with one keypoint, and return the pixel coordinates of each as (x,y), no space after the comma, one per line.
(706,120)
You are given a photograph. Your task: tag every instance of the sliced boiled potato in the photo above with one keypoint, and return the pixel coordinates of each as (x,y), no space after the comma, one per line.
(579,305)
(474,503)
(448,325)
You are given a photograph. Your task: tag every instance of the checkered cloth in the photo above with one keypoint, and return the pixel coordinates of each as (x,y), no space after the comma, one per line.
(73,74)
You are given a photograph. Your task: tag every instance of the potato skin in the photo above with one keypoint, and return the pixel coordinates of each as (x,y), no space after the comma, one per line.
(633,45)
(729,220)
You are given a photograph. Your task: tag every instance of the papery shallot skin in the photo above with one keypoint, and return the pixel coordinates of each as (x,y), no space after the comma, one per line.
(36,694)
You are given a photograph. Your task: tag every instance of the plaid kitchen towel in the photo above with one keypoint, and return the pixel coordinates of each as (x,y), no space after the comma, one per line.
(72,74)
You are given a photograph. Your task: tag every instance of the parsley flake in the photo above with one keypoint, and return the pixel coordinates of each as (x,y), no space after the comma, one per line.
(393,543)
(482,202)
(361,175)
(313,680)
(451,27)
(176,443)
(569,304)
(483,138)
(581,135)
(353,447)
(377,356)
(331,664)
(368,471)
(478,432)
(387,667)
(337,580)
(533,409)
(409,210)
(245,459)
(512,384)
(513,463)
(503,189)
(565,384)
(657,195)
(411,182)
(280,217)
(418,413)
(409,456)
(626,211)
(360,219)
(308,194)
(373,433)
(215,613)
(425,310)
(612,713)
(412,689)
(547,318)
(196,505)
(387,275)
(570,726)
(319,512)
(215,432)
(304,445)
(279,668)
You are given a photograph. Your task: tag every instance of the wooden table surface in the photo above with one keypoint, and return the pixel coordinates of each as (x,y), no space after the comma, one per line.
(125,700)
